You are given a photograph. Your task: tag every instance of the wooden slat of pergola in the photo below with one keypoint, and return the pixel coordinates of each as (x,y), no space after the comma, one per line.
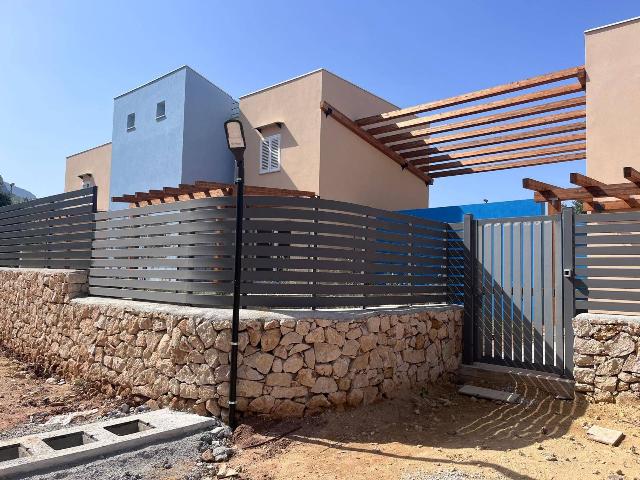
(576,72)
(447,143)
(591,192)
(202,189)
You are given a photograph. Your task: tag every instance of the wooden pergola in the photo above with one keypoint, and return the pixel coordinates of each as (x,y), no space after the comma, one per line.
(596,196)
(202,189)
(446,142)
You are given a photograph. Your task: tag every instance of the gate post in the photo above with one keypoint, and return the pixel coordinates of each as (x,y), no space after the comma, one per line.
(469,288)
(568,287)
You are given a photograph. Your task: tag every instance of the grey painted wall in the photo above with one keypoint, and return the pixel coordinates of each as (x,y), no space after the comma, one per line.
(189,144)
(205,154)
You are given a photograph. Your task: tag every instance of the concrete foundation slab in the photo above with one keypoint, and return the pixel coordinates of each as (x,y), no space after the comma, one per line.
(54,450)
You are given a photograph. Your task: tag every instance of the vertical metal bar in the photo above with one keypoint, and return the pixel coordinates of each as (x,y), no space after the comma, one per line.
(237,279)
(507,292)
(498,317)
(487,321)
(537,293)
(517,317)
(479,293)
(527,326)
(547,290)
(568,288)
(557,294)
(469,288)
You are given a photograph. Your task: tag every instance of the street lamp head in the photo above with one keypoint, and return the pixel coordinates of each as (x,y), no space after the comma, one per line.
(235,135)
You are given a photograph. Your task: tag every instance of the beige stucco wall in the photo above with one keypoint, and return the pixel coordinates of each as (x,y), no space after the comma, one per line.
(320,155)
(352,170)
(297,105)
(613,100)
(97,162)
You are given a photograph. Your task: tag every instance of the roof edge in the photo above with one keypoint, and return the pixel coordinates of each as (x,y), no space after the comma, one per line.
(183,67)
(612,25)
(88,150)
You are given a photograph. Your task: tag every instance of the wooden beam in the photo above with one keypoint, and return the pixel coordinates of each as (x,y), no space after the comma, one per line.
(498,117)
(371,140)
(509,165)
(613,205)
(599,189)
(538,186)
(509,147)
(631,174)
(581,193)
(482,108)
(568,73)
(502,158)
(541,132)
(480,132)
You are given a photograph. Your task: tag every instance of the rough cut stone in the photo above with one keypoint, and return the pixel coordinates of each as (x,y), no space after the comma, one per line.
(179,356)
(325,352)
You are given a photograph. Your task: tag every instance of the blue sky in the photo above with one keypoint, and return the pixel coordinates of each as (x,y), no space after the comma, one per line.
(64,61)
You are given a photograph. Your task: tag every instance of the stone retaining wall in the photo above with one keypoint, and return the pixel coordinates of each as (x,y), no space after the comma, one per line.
(606,356)
(290,364)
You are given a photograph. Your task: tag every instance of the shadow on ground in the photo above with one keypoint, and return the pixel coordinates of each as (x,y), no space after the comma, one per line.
(439,418)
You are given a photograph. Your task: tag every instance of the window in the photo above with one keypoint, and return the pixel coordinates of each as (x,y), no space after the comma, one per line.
(160,112)
(131,121)
(270,154)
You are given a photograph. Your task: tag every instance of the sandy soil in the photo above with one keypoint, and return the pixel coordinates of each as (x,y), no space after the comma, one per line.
(421,433)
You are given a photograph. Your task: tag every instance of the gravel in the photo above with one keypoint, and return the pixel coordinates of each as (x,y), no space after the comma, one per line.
(177,459)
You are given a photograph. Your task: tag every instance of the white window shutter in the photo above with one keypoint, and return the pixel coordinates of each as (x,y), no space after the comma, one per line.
(270,154)
(275,154)
(264,155)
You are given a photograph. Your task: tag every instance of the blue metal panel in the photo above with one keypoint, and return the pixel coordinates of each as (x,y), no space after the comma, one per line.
(452,214)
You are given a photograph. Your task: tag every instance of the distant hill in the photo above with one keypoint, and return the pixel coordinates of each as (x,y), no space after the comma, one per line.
(21,193)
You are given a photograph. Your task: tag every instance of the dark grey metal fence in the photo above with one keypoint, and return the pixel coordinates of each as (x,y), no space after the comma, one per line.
(49,232)
(607,262)
(297,253)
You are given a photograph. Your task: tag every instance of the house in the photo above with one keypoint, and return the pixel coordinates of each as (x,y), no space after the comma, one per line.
(320,133)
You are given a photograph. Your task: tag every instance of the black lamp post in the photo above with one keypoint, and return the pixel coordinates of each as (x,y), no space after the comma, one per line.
(235,141)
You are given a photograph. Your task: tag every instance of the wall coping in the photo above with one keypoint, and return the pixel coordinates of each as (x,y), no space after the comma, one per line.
(607,318)
(224,314)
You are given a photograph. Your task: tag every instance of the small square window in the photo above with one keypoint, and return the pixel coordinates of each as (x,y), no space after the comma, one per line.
(131,121)
(160,112)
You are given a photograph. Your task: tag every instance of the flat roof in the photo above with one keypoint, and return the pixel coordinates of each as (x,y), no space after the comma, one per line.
(89,149)
(172,72)
(318,70)
(612,25)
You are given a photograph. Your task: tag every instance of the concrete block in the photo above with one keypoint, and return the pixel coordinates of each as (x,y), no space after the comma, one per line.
(70,446)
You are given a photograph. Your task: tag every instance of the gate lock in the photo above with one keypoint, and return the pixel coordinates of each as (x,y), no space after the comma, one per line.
(567,272)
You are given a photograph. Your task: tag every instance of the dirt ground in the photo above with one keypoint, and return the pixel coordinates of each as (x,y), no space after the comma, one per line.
(429,434)
(437,430)
(26,397)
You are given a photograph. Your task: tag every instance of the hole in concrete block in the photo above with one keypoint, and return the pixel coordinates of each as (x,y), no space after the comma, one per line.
(68,441)
(128,428)
(12,452)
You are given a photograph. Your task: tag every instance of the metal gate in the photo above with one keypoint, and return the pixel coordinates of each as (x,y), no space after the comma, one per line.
(515,302)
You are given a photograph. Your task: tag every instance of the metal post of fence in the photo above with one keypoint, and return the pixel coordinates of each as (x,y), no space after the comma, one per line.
(568,287)
(469,288)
